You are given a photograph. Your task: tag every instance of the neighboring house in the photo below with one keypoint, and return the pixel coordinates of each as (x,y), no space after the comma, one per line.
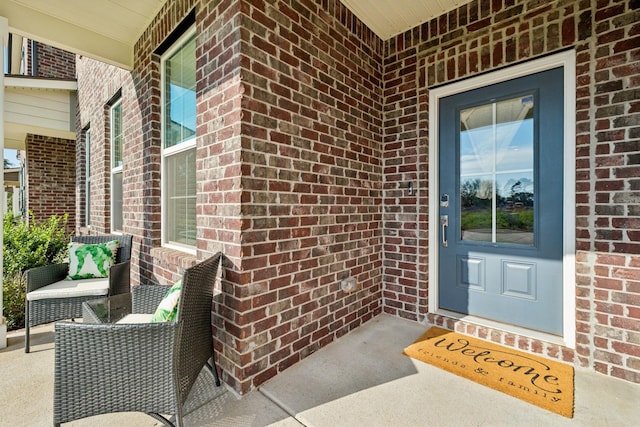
(40,120)
(38,117)
(325,150)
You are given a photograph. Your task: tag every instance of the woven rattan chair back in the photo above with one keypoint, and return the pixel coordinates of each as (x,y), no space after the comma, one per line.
(194,341)
(143,367)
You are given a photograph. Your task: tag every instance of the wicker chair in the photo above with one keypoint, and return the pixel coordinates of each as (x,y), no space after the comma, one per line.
(40,310)
(144,367)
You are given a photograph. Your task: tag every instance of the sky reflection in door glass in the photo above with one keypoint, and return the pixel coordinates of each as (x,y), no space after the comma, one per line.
(497,171)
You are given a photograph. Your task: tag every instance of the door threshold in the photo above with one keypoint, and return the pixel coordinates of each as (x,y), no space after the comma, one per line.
(504,327)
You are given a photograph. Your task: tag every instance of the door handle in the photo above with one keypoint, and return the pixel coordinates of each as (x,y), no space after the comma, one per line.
(444,223)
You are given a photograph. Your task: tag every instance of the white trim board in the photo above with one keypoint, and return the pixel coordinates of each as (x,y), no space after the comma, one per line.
(567,61)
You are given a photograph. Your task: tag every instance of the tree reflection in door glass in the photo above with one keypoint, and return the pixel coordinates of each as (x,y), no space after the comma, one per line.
(496,172)
(476,205)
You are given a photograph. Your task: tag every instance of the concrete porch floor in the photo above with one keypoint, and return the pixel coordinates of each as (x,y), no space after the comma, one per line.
(362,379)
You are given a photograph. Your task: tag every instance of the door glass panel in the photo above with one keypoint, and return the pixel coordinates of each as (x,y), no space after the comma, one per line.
(514,213)
(476,193)
(496,171)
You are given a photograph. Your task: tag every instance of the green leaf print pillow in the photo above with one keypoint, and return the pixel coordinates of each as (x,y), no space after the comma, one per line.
(167,310)
(91,260)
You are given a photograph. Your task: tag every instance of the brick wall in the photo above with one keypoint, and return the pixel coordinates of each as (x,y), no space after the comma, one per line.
(51,177)
(609,189)
(311,177)
(51,62)
(486,35)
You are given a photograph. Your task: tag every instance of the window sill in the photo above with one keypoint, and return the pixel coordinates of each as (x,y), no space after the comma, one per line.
(172,257)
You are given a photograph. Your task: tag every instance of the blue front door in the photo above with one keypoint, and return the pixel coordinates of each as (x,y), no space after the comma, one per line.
(501,202)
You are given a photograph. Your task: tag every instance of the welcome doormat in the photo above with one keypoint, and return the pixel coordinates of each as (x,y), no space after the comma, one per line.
(534,379)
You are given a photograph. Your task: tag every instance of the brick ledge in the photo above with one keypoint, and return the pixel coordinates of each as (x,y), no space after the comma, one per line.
(165,257)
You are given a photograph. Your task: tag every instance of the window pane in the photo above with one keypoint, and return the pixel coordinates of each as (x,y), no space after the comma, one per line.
(514,223)
(476,140)
(180,95)
(116,135)
(476,194)
(116,205)
(116,163)
(180,217)
(514,134)
(496,171)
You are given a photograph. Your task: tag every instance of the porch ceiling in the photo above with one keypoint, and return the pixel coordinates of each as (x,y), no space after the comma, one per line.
(107,30)
(388,18)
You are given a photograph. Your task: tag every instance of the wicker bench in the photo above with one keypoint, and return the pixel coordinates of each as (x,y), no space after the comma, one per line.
(49,297)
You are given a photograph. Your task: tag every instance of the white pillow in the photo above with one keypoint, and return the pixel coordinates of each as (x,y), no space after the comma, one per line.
(167,310)
(91,260)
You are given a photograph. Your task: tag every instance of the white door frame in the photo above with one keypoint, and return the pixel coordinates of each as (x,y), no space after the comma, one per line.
(567,60)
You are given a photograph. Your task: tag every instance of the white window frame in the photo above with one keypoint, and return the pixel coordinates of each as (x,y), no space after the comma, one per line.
(185,145)
(117,169)
(87,177)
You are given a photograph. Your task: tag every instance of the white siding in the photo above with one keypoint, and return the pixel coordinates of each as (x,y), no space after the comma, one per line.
(38,108)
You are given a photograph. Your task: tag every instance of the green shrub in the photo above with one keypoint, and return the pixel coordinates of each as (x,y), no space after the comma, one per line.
(13,297)
(28,245)
(478,220)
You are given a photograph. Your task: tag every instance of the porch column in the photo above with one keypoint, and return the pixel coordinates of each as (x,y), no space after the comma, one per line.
(4,37)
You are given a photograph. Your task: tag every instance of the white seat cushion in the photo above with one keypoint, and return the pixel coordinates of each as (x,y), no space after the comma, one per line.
(136,318)
(71,288)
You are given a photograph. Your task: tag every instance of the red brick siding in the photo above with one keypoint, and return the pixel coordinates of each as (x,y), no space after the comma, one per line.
(485,35)
(51,62)
(609,157)
(51,177)
(219,164)
(311,179)
(218,159)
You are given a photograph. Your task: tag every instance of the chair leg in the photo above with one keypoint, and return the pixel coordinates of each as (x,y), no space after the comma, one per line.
(214,371)
(162,419)
(26,328)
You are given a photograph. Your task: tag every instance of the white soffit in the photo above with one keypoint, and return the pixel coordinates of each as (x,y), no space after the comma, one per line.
(107,30)
(101,29)
(388,18)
